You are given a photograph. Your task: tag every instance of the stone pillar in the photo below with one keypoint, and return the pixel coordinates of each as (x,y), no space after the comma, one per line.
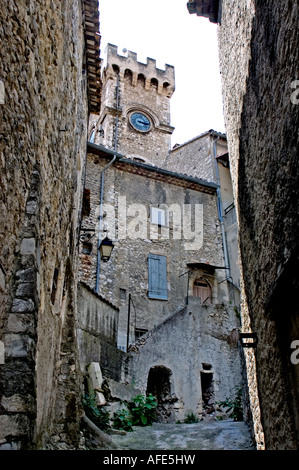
(18,393)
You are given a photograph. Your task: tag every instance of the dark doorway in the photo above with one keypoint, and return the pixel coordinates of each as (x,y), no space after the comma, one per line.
(207,388)
(158,384)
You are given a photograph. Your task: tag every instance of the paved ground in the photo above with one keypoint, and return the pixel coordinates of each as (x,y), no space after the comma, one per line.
(205,435)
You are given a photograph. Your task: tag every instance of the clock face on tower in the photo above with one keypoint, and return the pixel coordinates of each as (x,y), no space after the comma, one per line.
(140,122)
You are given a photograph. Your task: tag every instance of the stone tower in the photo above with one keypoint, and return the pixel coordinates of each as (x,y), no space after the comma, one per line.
(135,118)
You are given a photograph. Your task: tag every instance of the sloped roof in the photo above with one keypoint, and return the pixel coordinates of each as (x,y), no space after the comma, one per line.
(152,171)
(211,132)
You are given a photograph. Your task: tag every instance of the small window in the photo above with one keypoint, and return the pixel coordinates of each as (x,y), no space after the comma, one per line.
(139,332)
(86,248)
(122,294)
(154,83)
(158,216)
(202,290)
(157,277)
(128,75)
(141,79)
(54,285)
(92,135)
(86,203)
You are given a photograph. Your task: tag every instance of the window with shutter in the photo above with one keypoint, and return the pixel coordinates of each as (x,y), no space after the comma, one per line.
(157,277)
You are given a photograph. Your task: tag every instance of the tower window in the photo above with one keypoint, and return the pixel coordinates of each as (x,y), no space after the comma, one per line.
(141,79)
(154,83)
(115,68)
(128,75)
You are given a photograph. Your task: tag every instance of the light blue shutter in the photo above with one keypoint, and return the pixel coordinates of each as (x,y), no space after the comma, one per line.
(157,277)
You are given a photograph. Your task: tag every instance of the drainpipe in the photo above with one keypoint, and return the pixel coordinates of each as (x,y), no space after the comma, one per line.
(102,190)
(220,214)
(100,223)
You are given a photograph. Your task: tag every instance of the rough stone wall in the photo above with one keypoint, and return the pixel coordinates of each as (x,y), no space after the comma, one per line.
(43,135)
(97,333)
(127,270)
(184,343)
(195,157)
(259,60)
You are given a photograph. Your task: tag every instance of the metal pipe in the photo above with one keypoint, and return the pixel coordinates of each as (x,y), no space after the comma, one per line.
(128,325)
(220,214)
(102,190)
(100,224)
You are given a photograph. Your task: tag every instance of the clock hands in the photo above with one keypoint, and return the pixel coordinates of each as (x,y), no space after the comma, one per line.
(140,122)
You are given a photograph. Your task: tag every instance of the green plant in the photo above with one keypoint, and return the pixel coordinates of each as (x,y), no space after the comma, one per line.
(191,418)
(237,312)
(234,406)
(98,415)
(122,420)
(143,410)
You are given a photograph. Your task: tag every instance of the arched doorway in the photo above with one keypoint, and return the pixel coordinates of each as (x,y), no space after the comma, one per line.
(159,385)
(202,289)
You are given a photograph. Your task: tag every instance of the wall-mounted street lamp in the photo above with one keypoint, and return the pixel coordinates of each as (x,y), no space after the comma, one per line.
(105,249)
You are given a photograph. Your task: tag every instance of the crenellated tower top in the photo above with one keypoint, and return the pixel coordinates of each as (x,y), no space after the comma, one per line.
(128,66)
(135,113)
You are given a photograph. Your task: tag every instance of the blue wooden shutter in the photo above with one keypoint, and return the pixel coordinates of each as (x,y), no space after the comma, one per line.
(157,277)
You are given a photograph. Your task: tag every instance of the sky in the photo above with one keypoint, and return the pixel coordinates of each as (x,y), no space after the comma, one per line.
(164,30)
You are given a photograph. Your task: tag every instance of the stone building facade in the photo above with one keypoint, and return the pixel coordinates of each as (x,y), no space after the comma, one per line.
(258,50)
(163,210)
(132,193)
(60,313)
(203,368)
(206,156)
(46,99)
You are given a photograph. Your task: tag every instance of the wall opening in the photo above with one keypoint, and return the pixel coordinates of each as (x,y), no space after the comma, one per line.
(115,68)
(54,285)
(202,290)
(86,248)
(207,390)
(141,79)
(154,83)
(159,385)
(128,75)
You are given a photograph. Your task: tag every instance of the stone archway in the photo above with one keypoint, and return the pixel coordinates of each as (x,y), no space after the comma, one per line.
(159,385)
